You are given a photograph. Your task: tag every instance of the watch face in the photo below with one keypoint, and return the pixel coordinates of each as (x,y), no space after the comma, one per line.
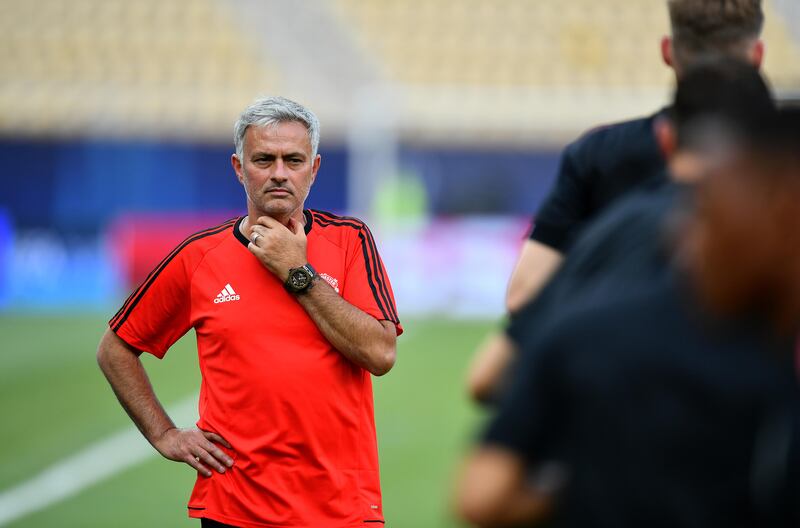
(299,279)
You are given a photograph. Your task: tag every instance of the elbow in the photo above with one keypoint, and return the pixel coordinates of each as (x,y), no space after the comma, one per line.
(382,354)
(383,362)
(480,389)
(482,384)
(515,299)
(102,357)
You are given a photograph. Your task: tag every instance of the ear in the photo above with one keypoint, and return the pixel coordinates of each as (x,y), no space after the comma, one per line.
(666,51)
(237,167)
(757,53)
(666,136)
(315,168)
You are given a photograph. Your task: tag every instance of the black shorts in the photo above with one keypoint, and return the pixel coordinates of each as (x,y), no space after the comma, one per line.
(209,523)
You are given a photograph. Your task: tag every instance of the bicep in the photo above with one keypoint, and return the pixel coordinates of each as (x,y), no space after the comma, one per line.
(111,346)
(118,360)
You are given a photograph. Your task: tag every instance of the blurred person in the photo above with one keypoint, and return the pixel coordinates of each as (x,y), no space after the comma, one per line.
(610,161)
(718,105)
(764,212)
(670,401)
(293,311)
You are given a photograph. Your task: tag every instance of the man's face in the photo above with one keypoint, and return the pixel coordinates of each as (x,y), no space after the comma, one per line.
(745,237)
(277,169)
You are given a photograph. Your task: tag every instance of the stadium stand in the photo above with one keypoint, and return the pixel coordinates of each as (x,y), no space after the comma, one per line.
(475,42)
(111,67)
(550,68)
(172,68)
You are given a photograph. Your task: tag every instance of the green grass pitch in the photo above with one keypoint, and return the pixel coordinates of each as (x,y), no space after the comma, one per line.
(54,401)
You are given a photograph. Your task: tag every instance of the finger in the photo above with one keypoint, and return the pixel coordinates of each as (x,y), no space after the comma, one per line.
(218,454)
(197,465)
(261,231)
(209,460)
(214,437)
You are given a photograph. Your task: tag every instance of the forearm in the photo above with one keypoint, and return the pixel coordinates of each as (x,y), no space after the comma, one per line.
(361,338)
(124,371)
(492,491)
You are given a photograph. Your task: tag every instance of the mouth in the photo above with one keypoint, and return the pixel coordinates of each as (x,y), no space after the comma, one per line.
(278,191)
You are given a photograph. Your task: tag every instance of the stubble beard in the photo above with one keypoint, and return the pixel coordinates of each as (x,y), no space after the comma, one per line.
(281,209)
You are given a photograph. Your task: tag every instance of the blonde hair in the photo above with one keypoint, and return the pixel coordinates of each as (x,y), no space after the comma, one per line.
(703,28)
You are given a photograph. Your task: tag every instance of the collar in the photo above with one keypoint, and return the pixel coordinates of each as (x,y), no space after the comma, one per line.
(237,231)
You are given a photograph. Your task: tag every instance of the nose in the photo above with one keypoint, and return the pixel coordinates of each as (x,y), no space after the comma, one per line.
(281,172)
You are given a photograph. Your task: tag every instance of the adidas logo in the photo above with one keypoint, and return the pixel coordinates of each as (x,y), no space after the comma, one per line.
(227,294)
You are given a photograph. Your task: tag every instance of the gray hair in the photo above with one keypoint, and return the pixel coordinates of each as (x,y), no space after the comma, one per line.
(268,111)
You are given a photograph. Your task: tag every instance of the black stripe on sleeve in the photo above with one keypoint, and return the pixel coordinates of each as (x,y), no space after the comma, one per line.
(124,312)
(370,278)
(157,269)
(380,272)
(372,264)
(377,266)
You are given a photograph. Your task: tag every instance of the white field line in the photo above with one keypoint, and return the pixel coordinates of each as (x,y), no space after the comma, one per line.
(93,464)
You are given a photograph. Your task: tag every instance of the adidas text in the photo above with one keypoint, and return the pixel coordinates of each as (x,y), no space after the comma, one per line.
(226,295)
(227,298)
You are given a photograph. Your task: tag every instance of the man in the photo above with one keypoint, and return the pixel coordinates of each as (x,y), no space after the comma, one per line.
(718,104)
(670,401)
(293,310)
(608,162)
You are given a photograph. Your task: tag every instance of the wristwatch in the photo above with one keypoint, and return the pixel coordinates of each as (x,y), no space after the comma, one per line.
(300,279)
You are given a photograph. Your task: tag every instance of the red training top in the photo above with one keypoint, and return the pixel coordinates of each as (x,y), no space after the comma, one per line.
(298,414)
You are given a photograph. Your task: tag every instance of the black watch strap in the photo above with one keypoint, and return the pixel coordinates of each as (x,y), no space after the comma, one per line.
(300,279)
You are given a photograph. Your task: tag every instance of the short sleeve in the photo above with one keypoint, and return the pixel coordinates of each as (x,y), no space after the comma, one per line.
(157,313)
(626,240)
(566,207)
(367,285)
